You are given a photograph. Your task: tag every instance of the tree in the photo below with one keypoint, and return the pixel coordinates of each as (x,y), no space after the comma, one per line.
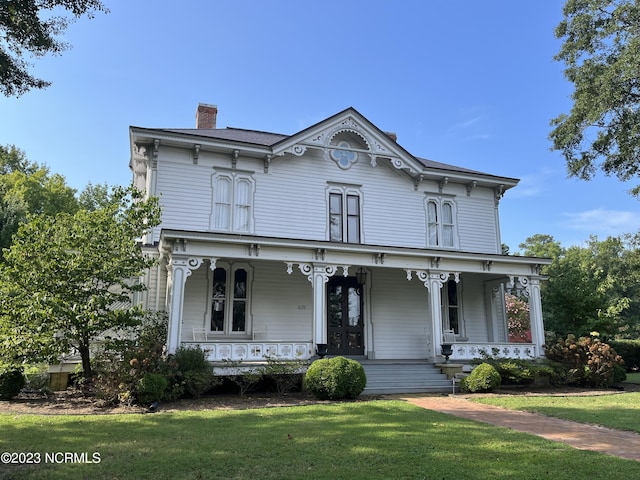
(68,279)
(27,188)
(31,27)
(541,245)
(601,52)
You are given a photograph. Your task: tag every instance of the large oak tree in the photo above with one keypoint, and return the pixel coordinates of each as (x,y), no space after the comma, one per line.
(601,53)
(31,28)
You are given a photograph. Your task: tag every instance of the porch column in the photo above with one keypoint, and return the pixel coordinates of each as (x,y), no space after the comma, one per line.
(435,287)
(434,280)
(179,269)
(535,315)
(318,275)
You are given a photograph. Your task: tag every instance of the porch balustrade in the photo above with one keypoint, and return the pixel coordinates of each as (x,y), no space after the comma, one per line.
(471,350)
(254,351)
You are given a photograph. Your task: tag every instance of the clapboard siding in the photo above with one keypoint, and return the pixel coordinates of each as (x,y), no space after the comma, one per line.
(196,298)
(291,200)
(400,316)
(282,302)
(474,309)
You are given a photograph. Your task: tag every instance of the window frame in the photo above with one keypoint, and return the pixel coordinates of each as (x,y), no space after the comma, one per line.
(233,203)
(446,307)
(230,300)
(345,193)
(438,226)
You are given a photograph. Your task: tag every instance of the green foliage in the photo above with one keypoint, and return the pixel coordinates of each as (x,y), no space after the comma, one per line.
(335,378)
(63,275)
(11,381)
(151,388)
(196,371)
(483,378)
(587,360)
(286,375)
(29,28)
(629,350)
(595,287)
(522,372)
(37,378)
(27,188)
(125,362)
(601,52)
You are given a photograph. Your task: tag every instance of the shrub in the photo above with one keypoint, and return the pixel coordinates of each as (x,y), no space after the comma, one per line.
(523,372)
(335,378)
(629,350)
(285,374)
(37,378)
(587,360)
(151,388)
(483,378)
(11,381)
(195,371)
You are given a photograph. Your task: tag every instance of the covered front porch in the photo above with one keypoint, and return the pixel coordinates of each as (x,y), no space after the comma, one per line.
(246,299)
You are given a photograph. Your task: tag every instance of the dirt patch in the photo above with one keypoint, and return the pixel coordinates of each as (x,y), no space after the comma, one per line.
(76,402)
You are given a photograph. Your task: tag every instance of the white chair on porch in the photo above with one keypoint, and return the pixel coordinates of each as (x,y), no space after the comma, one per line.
(199,334)
(448,337)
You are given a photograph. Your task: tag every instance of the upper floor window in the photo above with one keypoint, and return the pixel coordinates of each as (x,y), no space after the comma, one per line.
(232,203)
(344,215)
(441,223)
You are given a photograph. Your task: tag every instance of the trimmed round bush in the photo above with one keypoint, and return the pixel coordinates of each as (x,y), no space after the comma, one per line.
(11,381)
(483,378)
(335,378)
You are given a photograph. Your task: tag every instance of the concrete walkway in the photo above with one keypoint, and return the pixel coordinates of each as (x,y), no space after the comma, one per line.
(579,435)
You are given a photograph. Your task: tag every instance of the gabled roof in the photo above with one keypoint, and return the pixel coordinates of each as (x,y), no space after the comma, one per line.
(320,136)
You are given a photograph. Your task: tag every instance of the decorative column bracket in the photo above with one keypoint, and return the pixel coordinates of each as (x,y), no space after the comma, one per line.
(430,277)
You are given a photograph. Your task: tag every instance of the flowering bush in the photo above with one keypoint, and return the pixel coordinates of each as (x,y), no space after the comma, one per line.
(518,319)
(587,360)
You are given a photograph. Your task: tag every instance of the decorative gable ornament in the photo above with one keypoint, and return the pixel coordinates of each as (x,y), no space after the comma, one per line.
(334,147)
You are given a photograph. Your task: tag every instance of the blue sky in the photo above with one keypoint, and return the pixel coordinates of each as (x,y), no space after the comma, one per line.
(468,83)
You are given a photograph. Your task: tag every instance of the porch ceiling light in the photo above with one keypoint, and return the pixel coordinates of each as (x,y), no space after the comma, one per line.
(361,276)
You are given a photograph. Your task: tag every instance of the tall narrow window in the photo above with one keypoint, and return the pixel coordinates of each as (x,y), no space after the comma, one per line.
(441,223)
(451,311)
(335,217)
(344,217)
(232,203)
(222,209)
(229,300)
(432,223)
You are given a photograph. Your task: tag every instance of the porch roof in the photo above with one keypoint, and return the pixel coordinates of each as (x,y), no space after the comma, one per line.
(219,245)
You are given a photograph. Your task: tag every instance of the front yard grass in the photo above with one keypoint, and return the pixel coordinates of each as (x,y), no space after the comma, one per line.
(633,377)
(377,439)
(619,411)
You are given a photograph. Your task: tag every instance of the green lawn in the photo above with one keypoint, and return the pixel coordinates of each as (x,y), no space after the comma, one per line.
(633,377)
(353,440)
(619,411)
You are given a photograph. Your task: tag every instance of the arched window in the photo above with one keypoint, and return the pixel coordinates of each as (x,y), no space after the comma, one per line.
(441,223)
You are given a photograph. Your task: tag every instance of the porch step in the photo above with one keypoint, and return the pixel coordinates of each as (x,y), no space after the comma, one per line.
(404,377)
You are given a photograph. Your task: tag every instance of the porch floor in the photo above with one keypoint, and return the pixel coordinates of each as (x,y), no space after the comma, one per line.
(404,376)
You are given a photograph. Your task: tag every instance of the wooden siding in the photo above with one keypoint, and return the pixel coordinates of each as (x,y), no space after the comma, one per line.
(474,309)
(400,316)
(291,200)
(283,302)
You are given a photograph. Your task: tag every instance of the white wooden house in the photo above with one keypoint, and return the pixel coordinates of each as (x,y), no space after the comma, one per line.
(334,238)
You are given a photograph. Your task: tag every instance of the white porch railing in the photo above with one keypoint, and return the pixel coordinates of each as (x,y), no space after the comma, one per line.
(254,351)
(468,351)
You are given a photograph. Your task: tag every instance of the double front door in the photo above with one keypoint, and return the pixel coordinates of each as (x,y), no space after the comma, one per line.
(345,321)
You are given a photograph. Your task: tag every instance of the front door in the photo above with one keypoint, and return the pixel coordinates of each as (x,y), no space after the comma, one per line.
(344,312)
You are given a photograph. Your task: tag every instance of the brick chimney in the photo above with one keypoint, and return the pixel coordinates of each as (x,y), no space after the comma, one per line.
(206,116)
(392,135)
